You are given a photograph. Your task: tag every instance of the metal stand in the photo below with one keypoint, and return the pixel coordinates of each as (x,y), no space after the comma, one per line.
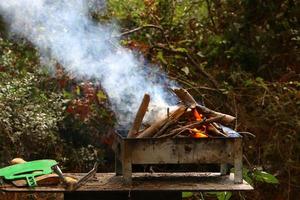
(223,151)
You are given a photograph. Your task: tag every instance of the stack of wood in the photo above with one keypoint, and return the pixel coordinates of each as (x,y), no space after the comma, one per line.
(189,119)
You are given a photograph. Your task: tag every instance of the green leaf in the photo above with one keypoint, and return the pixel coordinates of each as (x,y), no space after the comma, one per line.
(247,177)
(67,95)
(263,176)
(221,195)
(101,95)
(248,82)
(187,194)
(77,90)
(160,56)
(180,49)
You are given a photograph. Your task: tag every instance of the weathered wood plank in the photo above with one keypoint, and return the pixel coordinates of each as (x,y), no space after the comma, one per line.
(149,182)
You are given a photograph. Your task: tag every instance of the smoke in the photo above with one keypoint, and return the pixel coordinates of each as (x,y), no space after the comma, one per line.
(63,31)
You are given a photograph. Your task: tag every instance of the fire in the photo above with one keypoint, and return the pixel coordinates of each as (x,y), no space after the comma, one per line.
(198,133)
(197,115)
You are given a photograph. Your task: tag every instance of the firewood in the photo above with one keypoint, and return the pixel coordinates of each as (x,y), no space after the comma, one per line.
(185,97)
(180,130)
(212,128)
(156,126)
(139,117)
(211,113)
(162,130)
(189,101)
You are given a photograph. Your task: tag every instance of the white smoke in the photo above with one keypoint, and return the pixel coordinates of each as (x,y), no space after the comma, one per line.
(63,30)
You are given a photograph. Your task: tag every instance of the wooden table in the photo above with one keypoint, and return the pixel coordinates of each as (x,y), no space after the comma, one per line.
(144,186)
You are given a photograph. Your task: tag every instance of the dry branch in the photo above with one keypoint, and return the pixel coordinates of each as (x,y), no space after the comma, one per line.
(139,116)
(189,126)
(156,126)
(162,130)
(185,97)
(215,130)
(189,101)
(211,113)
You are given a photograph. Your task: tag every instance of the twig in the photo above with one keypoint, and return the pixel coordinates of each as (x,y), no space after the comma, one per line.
(202,197)
(210,15)
(218,130)
(203,88)
(192,60)
(140,28)
(143,27)
(263,99)
(236,114)
(193,125)
(248,163)
(203,72)
(248,133)
(189,101)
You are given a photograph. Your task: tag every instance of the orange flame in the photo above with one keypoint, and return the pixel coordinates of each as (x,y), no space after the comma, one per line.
(196,133)
(197,115)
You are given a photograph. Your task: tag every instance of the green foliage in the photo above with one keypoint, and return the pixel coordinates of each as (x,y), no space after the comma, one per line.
(223,195)
(28,114)
(34,120)
(187,194)
(123,10)
(220,195)
(265,177)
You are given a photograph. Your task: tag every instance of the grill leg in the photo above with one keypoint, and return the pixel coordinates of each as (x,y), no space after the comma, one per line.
(118,163)
(126,163)
(118,167)
(238,161)
(127,172)
(224,169)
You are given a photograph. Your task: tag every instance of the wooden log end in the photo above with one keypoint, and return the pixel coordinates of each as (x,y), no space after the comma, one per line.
(139,117)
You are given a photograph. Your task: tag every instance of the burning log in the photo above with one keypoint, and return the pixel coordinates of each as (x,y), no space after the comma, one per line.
(139,117)
(180,130)
(189,101)
(189,120)
(156,126)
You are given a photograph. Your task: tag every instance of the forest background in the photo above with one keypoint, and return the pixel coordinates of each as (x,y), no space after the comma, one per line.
(241,57)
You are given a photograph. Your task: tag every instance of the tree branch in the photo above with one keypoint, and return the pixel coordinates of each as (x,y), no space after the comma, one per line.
(140,28)
(144,27)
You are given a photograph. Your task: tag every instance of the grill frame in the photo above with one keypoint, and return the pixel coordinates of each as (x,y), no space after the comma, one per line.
(217,150)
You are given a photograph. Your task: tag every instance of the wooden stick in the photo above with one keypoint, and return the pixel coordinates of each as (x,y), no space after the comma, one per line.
(189,101)
(139,117)
(215,130)
(189,126)
(162,130)
(211,113)
(185,97)
(155,127)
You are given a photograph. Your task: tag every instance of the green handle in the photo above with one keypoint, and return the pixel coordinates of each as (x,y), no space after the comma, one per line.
(28,170)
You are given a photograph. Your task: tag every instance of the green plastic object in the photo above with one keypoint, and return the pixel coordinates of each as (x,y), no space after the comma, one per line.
(28,171)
